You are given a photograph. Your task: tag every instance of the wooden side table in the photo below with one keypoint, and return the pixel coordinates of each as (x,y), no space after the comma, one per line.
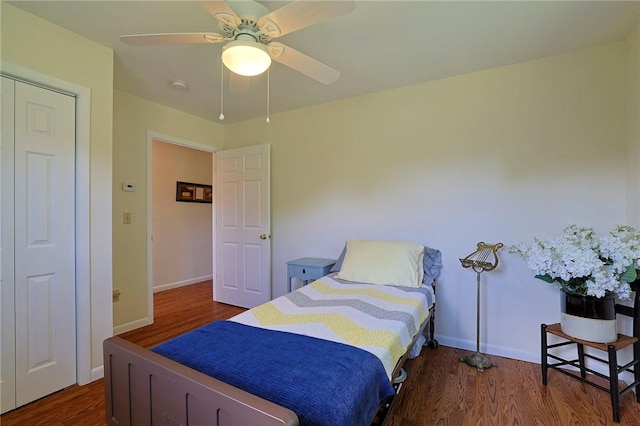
(307,269)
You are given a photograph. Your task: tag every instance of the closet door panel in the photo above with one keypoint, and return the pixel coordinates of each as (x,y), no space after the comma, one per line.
(44,242)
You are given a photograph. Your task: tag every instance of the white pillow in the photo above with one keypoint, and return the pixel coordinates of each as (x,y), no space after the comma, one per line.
(383,262)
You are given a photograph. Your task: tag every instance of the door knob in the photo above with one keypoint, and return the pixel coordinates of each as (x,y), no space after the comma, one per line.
(264,236)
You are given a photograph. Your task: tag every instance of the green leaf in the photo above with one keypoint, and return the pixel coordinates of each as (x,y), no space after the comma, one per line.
(629,275)
(546,278)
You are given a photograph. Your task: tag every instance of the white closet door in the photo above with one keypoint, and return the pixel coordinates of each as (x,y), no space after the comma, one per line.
(7,341)
(44,242)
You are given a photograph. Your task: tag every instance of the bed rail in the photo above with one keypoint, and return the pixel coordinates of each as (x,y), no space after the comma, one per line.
(144,388)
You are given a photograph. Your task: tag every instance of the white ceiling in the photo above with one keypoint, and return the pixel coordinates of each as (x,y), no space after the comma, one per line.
(381,45)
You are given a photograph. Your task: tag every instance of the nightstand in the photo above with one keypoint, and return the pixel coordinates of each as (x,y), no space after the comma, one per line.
(308,268)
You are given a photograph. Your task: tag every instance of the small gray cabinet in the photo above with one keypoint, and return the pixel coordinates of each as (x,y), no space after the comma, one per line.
(307,269)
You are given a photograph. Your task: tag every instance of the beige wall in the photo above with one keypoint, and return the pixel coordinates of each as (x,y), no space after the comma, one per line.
(633,122)
(182,239)
(499,156)
(39,46)
(134,119)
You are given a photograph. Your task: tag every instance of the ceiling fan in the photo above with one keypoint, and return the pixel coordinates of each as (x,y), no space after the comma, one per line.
(248,28)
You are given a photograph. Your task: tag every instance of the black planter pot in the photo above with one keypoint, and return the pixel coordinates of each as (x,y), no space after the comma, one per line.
(603,308)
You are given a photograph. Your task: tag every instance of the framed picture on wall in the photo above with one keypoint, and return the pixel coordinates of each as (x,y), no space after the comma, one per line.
(193,192)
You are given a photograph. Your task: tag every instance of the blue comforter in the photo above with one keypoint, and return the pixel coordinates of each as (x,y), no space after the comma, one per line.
(324,383)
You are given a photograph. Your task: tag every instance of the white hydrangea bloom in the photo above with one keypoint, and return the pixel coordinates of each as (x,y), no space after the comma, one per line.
(580,263)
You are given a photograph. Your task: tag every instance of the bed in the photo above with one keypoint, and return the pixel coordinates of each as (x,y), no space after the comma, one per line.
(329,353)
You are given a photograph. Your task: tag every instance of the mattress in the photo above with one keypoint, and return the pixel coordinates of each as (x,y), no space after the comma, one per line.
(325,383)
(382,320)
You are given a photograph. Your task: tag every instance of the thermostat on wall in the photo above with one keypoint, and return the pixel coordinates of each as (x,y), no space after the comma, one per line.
(129,187)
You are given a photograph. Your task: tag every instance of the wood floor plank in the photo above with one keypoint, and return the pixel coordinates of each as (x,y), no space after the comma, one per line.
(439,389)
(449,392)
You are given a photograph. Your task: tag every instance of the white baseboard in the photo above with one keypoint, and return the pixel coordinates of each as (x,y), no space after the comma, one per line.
(517,354)
(169,286)
(131,326)
(502,351)
(97,373)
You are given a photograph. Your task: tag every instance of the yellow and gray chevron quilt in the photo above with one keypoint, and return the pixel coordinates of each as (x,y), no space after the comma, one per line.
(382,320)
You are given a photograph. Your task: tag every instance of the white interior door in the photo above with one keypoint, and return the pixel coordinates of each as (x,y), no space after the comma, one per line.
(44,242)
(243,226)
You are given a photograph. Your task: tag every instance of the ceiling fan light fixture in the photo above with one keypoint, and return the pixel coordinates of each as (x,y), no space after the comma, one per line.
(247,58)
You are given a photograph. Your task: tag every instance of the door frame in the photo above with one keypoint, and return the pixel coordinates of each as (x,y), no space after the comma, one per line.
(84,373)
(151,136)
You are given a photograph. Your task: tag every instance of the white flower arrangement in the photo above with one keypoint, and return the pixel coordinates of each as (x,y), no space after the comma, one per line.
(585,265)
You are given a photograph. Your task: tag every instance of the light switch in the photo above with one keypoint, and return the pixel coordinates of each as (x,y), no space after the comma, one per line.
(126,218)
(128,187)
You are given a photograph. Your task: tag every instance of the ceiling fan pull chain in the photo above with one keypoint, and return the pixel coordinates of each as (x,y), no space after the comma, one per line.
(221,117)
(268,90)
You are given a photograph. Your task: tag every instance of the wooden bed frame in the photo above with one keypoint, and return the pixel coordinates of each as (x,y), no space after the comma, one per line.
(144,388)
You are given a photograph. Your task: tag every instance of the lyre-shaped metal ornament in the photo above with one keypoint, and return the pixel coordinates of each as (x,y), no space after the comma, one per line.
(480,261)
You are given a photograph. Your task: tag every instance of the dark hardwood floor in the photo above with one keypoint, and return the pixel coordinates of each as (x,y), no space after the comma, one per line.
(176,311)
(439,389)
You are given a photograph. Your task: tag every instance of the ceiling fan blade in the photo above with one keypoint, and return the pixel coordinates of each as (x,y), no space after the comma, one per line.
(222,12)
(301,14)
(172,38)
(302,63)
